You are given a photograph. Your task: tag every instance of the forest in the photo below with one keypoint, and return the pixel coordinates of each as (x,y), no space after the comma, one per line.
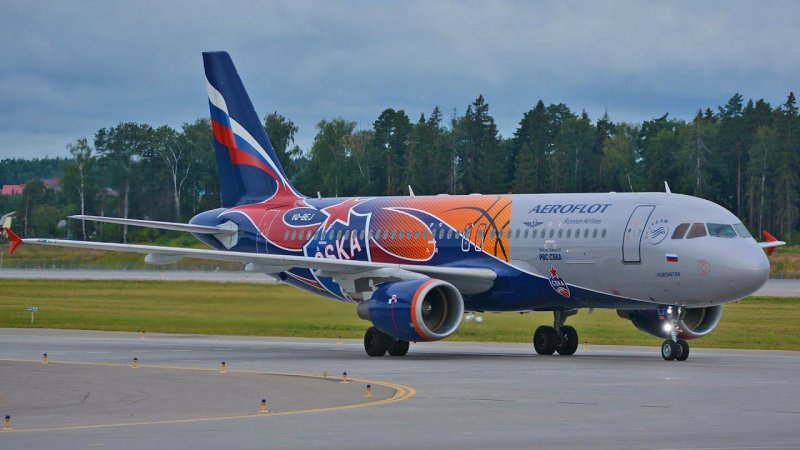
(744,155)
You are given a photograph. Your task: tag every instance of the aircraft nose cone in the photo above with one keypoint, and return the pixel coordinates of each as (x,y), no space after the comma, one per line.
(748,270)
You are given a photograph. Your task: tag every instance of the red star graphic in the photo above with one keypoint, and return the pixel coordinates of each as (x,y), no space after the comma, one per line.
(341,212)
(553,271)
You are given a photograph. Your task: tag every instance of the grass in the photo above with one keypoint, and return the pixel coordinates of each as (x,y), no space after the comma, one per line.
(276,310)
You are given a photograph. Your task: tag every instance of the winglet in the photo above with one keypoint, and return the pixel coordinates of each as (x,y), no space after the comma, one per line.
(771,243)
(13,241)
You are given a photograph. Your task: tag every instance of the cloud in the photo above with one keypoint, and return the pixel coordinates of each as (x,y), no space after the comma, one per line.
(71,68)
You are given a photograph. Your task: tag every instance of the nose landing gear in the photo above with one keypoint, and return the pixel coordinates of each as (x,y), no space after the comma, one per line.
(674,348)
(558,338)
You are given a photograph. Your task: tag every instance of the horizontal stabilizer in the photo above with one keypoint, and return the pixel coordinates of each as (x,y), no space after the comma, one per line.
(189,228)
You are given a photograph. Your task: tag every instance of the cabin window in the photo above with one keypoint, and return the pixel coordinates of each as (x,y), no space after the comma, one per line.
(741,230)
(394,234)
(721,230)
(560,232)
(680,231)
(386,233)
(500,234)
(525,234)
(286,235)
(450,234)
(586,233)
(552,232)
(416,235)
(338,235)
(492,234)
(594,233)
(603,234)
(308,236)
(697,230)
(441,233)
(516,235)
(569,233)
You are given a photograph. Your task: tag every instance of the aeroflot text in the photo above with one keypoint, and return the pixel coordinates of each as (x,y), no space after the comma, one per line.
(579,208)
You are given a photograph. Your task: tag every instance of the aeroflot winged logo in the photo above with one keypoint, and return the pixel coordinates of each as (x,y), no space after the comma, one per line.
(558,284)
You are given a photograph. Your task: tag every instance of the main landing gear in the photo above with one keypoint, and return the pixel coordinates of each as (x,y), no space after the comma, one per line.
(377,343)
(674,348)
(558,338)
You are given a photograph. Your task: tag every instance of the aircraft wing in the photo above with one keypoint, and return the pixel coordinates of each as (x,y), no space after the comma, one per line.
(469,280)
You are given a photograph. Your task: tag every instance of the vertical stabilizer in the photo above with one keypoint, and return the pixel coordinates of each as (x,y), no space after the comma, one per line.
(249,170)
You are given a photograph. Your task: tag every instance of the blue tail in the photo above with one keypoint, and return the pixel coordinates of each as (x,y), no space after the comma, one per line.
(249,171)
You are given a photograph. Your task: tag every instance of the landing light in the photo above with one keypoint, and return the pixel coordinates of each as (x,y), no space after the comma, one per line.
(668,327)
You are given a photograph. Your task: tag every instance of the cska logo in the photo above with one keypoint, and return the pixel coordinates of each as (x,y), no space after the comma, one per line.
(558,284)
(393,300)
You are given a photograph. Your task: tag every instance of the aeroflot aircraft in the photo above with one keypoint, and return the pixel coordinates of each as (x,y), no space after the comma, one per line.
(414,265)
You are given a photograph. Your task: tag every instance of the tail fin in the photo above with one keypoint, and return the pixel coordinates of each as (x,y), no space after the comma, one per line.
(248,169)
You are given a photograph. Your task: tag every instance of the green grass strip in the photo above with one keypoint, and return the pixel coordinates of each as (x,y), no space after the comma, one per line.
(276,310)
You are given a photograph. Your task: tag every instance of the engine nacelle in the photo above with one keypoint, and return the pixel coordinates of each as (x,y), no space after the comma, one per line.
(415,310)
(696,322)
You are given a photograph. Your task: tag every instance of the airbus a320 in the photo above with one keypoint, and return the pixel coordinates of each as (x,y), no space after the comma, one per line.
(414,265)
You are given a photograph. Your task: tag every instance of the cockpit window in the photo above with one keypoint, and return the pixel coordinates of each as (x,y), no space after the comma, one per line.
(721,230)
(680,231)
(697,230)
(741,230)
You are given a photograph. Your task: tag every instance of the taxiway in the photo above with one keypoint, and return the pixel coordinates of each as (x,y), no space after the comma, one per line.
(442,395)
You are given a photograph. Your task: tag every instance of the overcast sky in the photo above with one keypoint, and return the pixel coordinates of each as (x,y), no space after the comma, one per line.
(70,68)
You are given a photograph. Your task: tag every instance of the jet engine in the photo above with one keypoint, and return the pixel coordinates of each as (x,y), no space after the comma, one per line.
(695,323)
(415,310)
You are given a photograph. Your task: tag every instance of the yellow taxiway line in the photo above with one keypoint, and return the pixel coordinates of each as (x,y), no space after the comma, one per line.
(401,393)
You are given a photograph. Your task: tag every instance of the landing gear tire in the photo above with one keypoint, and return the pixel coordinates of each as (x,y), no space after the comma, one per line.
(683,350)
(398,347)
(376,342)
(544,340)
(669,350)
(569,341)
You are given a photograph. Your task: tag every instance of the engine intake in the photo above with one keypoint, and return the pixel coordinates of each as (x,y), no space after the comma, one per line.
(415,310)
(696,322)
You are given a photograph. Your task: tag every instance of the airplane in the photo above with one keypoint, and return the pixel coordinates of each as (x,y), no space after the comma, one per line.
(414,266)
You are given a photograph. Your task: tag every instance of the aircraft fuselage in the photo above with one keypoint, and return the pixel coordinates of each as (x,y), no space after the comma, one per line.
(550,251)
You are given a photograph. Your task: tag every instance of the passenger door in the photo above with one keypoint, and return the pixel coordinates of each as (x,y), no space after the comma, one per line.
(634,231)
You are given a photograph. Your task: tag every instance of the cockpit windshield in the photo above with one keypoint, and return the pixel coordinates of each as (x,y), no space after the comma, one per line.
(721,230)
(741,230)
(697,230)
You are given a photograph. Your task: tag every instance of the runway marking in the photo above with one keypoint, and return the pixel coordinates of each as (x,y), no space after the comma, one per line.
(401,393)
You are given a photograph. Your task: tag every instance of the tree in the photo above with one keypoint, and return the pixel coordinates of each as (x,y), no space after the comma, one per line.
(120,149)
(620,154)
(330,157)
(82,154)
(281,132)
(477,146)
(390,138)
